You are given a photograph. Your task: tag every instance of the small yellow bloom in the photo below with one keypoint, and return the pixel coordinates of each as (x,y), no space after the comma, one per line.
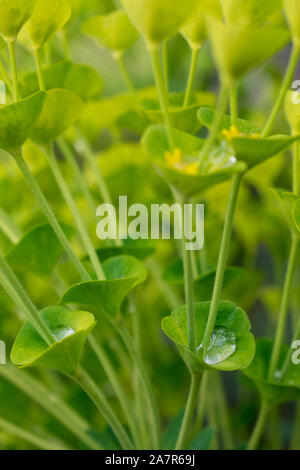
(231,133)
(191,169)
(175,160)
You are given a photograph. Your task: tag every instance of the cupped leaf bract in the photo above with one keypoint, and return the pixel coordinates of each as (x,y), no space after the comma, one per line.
(249,13)
(18,119)
(38,251)
(13,15)
(158,19)
(82,80)
(290,204)
(61,109)
(272,391)
(156,145)
(123,273)
(70,329)
(232,345)
(291,8)
(47,19)
(114,30)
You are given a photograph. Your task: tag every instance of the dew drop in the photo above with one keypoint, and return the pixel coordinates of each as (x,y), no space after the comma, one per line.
(63,332)
(222,345)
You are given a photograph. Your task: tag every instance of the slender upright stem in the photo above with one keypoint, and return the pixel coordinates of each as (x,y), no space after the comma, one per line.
(189,298)
(165,61)
(40,198)
(39,68)
(189,411)
(223,257)
(17,293)
(258,428)
(9,228)
(296,168)
(14,69)
(80,180)
(40,442)
(234,105)
(221,109)
(284,307)
(191,78)
(87,384)
(284,87)
(159,79)
(84,235)
(126,76)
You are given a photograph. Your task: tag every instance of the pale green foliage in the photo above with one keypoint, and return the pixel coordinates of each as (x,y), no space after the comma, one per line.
(48,18)
(292,11)
(195,29)
(13,15)
(249,13)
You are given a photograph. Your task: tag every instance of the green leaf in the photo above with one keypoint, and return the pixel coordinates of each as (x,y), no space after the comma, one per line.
(184,119)
(70,330)
(156,145)
(291,8)
(18,119)
(172,432)
(48,18)
(82,80)
(290,206)
(61,109)
(123,274)
(203,441)
(238,50)
(114,30)
(13,15)
(195,29)
(250,13)
(272,392)
(158,19)
(254,151)
(207,116)
(232,345)
(292,111)
(38,251)
(140,252)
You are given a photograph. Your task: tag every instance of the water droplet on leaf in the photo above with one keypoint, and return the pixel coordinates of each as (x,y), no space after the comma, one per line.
(222,345)
(63,332)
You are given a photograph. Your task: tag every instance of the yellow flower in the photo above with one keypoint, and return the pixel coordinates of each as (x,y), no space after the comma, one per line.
(175,160)
(231,133)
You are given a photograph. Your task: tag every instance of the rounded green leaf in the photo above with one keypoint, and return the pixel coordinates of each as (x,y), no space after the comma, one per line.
(238,50)
(291,8)
(140,252)
(38,251)
(18,119)
(195,28)
(70,330)
(123,274)
(249,13)
(48,18)
(82,80)
(207,116)
(158,19)
(13,15)
(272,392)
(232,345)
(290,206)
(62,108)
(115,30)
(184,119)
(156,145)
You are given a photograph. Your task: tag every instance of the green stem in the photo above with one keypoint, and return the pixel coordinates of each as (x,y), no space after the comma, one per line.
(51,403)
(33,439)
(189,298)
(16,292)
(223,415)
(296,168)
(221,109)
(223,257)
(284,87)
(202,407)
(84,235)
(126,76)
(9,228)
(87,384)
(161,89)
(284,308)
(5,77)
(14,69)
(40,198)
(39,68)
(234,105)
(117,387)
(258,428)
(189,412)
(80,180)
(191,78)
(165,61)
(149,395)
